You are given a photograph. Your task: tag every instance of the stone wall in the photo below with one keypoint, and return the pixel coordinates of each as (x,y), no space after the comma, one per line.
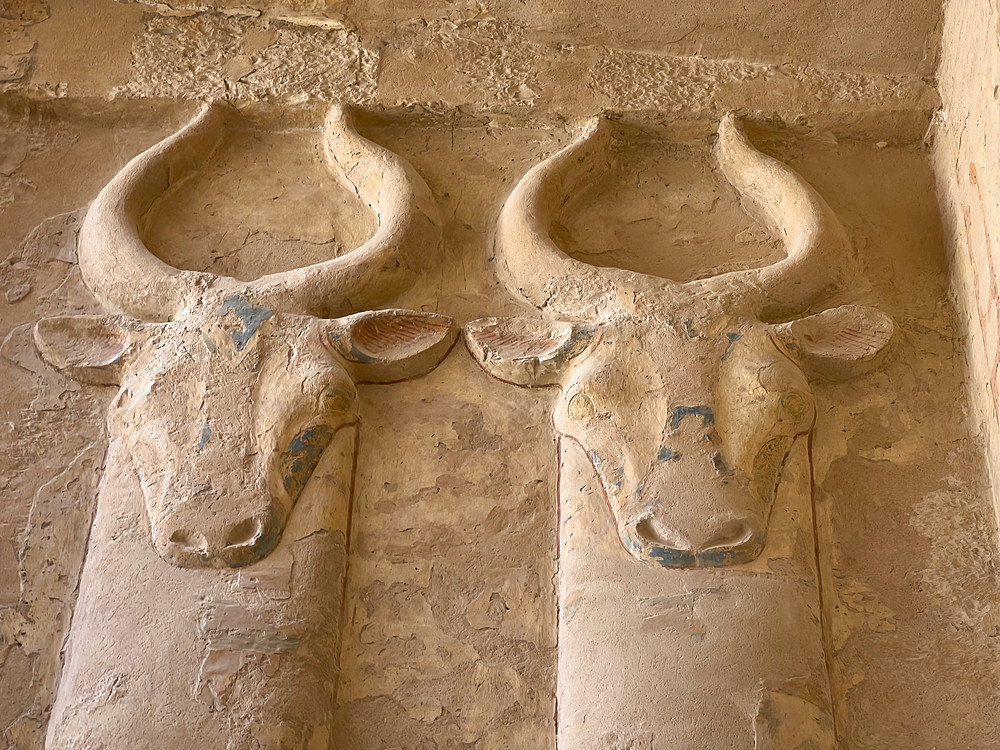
(451,605)
(967,152)
(497,56)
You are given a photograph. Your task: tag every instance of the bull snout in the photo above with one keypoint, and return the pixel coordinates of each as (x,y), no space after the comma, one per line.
(223,526)
(222,542)
(693,512)
(719,542)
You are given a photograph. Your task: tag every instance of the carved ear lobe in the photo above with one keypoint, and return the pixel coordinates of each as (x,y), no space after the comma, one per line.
(384,346)
(840,343)
(525,351)
(89,348)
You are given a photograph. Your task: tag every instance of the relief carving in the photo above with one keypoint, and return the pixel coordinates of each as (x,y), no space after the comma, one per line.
(686,399)
(683,408)
(236,404)
(716,465)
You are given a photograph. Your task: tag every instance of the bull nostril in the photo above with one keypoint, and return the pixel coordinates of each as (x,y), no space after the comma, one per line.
(244,534)
(189,541)
(651,531)
(733,534)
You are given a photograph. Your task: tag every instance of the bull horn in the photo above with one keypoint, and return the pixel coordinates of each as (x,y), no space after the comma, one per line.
(534,267)
(528,260)
(819,255)
(126,277)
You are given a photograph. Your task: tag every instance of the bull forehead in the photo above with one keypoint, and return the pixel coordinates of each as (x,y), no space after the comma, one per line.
(650,361)
(650,393)
(194,364)
(688,427)
(212,374)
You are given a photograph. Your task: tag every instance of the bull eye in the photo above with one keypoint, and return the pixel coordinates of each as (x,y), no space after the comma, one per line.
(795,405)
(119,405)
(334,399)
(302,455)
(580,408)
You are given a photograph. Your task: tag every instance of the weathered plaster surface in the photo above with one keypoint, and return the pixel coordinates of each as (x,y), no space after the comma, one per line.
(510,58)
(838,34)
(451,600)
(452,596)
(901,477)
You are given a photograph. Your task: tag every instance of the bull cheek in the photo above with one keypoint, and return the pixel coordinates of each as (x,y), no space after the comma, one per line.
(612,473)
(768,464)
(297,462)
(155,470)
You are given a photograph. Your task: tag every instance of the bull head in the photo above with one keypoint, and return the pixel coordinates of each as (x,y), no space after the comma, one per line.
(687,397)
(230,391)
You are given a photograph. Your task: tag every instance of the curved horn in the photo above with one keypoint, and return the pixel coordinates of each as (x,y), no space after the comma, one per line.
(128,278)
(115,263)
(818,251)
(531,264)
(407,242)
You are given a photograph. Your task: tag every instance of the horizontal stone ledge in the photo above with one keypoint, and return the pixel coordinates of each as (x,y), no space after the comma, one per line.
(901,121)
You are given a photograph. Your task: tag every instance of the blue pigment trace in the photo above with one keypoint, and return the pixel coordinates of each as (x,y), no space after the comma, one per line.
(250,316)
(733,338)
(265,544)
(579,340)
(303,454)
(679,412)
(206,433)
(209,344)
(666,454)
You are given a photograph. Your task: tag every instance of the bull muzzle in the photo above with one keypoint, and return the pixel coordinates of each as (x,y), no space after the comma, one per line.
(726,541)
(696,513)
(225,544)
(214,525)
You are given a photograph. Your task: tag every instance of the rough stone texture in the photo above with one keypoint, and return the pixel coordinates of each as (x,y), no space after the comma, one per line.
(838,34)
(492,56)
(451,605)
(215,56)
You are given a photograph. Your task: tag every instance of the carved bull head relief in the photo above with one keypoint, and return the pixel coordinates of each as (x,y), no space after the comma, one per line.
(686,401)
(231,391)
(225,429)
(688,431)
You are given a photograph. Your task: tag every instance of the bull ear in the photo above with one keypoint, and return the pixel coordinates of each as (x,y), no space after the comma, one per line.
(526,351)
(89,348)
(384,346)
(840,343)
